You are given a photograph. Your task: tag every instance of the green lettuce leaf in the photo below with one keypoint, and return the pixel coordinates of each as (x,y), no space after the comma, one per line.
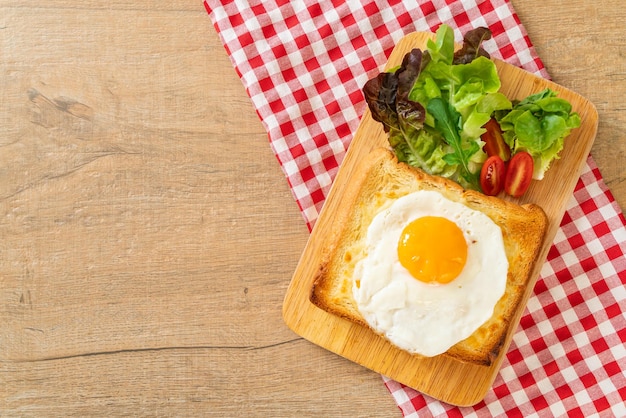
(447,121)
(481,113)
(538,125)
(442,48)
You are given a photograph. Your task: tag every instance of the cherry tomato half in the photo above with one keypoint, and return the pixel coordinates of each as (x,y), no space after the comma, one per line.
(492,175)
(519,174)
(494,141)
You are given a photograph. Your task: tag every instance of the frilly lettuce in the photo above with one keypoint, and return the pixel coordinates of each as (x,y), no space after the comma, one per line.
(538,125)
(435,104)
(459,92)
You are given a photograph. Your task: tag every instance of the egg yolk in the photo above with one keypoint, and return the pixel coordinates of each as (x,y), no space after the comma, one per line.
(432,249)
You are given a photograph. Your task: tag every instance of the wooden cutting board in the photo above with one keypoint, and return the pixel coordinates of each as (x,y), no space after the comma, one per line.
(441,377)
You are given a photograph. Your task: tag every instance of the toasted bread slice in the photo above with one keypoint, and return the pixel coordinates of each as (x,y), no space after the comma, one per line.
(379,180)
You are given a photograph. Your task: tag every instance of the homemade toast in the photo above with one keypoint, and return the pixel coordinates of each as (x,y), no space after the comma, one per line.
(380,179)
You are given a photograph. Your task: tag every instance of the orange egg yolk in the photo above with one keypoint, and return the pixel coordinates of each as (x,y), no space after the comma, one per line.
(432,249)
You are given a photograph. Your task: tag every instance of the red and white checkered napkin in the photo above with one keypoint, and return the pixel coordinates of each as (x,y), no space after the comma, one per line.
(303,65)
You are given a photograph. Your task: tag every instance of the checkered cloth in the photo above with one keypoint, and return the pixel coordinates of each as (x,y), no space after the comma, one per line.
(303,64)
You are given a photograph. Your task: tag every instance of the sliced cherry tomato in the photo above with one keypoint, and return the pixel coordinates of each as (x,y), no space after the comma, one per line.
(494,141)
(519,174)
(492,175)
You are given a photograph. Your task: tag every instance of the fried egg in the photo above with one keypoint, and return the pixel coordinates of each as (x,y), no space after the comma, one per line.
(433,272)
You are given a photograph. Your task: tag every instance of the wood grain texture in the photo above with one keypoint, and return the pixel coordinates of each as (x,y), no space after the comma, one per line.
(148,234)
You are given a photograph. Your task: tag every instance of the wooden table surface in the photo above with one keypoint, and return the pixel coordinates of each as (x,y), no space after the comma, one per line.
(148,233)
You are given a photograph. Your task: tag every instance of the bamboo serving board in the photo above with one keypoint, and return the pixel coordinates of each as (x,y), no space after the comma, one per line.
(443,378)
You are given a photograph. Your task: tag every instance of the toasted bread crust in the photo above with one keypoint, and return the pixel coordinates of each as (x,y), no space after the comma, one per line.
(376,183)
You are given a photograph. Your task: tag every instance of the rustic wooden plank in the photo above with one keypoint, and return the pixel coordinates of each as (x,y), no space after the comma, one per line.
(146,226)
(214,381)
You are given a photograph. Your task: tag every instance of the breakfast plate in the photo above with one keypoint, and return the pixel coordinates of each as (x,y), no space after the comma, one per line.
(441,377)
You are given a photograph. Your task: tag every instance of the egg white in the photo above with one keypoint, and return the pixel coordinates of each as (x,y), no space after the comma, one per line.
(423,318)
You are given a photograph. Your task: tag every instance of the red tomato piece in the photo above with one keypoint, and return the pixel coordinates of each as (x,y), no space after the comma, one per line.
(494,141)
(519,174)
(492,175)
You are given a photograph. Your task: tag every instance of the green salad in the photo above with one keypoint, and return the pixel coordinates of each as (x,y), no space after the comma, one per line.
(443,110)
